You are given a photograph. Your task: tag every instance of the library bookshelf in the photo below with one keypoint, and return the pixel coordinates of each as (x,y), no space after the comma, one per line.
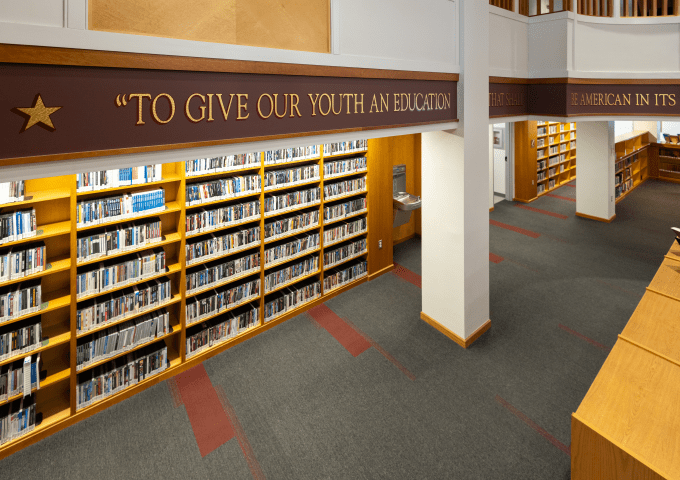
(55,201)
(545,157)
(632,162)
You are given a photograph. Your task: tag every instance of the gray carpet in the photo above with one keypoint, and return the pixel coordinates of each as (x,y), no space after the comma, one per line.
(311,410)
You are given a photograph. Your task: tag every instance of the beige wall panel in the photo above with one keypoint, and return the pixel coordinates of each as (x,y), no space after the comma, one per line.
(287,24)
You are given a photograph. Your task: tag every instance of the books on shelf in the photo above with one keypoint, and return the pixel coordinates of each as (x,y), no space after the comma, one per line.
(290,298)
(573,144)
(294,247)
(274,204)
(540,143)
(540,176)
(540,188)
(116,306)
(563,147)
(17,419)
(342,148)
(554,160)
(345,209)
(290,225)
(540,153)
(119,239)
(286,275)
(554,150)
(21,262)
(541,165)
(123,372)
(218,330)
(114,273)
(561,168)
(205,166)
(290,176)
(214,302)
(21,376)
(541,131)
(222,189)
(210,274)
(18,225)
(551,183)
(11,192)
(346,166)
(204,220)
(274,157)
(553,129)
(20,299)
(118,177)
(345,252)
(338,277)
(20,339)
(346,187)
(343,230)
(109,209)
(552,171)
(122,338)
(219,245)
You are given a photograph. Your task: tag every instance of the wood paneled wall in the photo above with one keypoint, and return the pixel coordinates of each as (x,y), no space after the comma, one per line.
(525,160)
(287,24)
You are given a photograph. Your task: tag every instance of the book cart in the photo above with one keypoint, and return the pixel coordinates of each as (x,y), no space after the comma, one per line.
(337,252)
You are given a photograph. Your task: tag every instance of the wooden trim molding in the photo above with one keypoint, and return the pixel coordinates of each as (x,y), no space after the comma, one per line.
(491,209)
(585,81)
(590,217)
(28,54)
(465,343)
(383,271)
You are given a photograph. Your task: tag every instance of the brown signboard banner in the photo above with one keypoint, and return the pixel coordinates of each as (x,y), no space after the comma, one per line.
(574,97)
(57,112)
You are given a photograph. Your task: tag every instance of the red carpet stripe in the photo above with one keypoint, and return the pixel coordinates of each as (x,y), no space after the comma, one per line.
(174,393)
(561,197)
(512,228)
(570,185)
(246,447)
(534,425)
(343,333)
(544,212)
(383,352)
(209,422)
(406,274)
(583,337)
(495,258)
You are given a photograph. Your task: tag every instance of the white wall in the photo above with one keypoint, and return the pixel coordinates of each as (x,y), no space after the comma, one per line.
(671,128)
(621,128)
(595,185)
(491,166)
(650,127)
(509,45)
(33,12)
(549,45)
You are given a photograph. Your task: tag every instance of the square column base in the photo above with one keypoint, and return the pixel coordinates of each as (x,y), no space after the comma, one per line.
(465,343)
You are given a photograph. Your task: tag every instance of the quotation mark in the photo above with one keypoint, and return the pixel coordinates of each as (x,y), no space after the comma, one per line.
(121,102)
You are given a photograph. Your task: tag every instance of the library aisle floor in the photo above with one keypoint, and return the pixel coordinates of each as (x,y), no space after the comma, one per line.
(361,388)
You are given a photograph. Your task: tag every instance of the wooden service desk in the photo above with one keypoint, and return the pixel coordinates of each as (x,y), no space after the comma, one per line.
(628,424)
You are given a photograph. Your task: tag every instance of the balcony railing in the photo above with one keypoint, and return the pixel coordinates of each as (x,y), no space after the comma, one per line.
(594,8)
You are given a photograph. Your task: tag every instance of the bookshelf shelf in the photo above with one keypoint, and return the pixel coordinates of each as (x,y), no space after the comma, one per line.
(56,377)
(168,179)
(348,285)
(55,201)
(632,157)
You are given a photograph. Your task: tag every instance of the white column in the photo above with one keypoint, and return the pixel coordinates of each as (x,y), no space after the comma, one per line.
(617,8)
(595,170)
(491,167)
(455,186)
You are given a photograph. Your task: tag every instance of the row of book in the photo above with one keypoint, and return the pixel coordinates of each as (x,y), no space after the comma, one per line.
(284,276)
(541,165)
(115,273)
(222,189)
(345,209)
(343,253)
(122,338)
(20,299)
(208,275)
(18,225)
(205,166)
(343,230)
(541,176)
(203,220)
(341,148)
(22,376)
(214,302)
(290,176)
(119,239)
(289,225)
(290,298)
(540,188)
(20,262)
(344,167)
(292,248)
(116,306)
(17,419)
(117,375)
(280,203)
(103,210)
(215,246)
(346,187)
(341,276)
(273,157)
(20,339)
(11,192)
(118,177)
(623,187)
(219,330)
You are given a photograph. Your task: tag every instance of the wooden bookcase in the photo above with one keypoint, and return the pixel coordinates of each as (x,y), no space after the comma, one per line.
(632,162)
(55,200)
(545,157)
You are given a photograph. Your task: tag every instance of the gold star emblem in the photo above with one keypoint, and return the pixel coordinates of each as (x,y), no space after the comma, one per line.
(38,114)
